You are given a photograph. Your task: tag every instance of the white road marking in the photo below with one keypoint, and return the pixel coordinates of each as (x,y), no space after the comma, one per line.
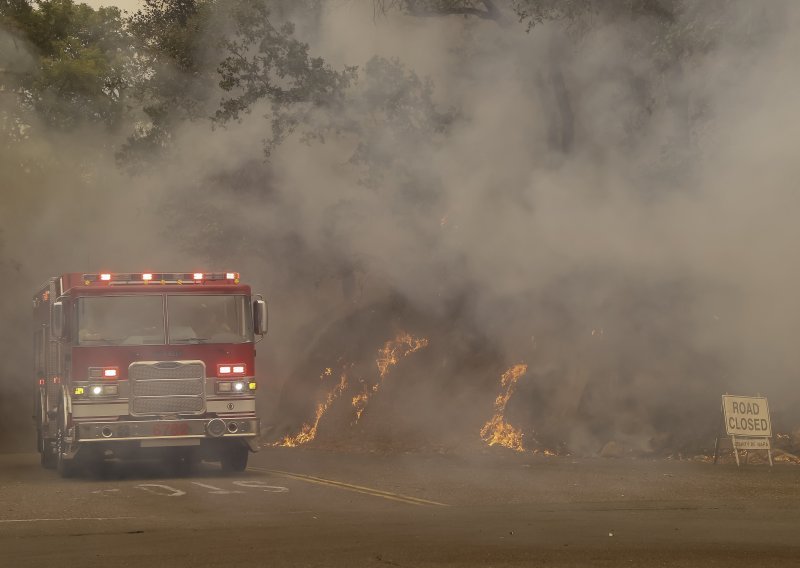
(156,489)
(65,519)
(215,490)
(104,491)
(263,486)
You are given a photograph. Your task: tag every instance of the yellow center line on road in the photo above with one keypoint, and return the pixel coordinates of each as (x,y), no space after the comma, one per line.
(350,487)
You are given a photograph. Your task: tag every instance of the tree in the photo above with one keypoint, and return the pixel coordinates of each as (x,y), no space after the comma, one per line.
(266,63)
(174,73)
(80,56)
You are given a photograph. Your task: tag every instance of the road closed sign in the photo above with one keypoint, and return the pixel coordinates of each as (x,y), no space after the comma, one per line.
(746,416)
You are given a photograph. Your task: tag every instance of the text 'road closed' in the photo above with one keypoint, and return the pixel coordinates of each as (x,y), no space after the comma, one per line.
(746,416)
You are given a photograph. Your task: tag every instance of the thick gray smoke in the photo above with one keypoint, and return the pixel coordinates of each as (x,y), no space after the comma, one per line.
(631,243)
(65,208)
(565,198)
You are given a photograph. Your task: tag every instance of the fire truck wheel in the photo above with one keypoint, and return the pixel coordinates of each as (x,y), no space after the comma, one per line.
(182,462)
(46,454)
(66,467)
(234,458)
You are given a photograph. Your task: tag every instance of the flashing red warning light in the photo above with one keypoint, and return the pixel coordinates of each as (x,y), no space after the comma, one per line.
(198,275)
(103,373)
(147,276)
(105,277)
(231,275)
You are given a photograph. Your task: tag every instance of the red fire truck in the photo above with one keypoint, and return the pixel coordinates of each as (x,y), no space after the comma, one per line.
(159,364)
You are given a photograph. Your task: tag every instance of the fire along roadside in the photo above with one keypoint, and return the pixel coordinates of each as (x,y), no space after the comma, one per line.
(146,364)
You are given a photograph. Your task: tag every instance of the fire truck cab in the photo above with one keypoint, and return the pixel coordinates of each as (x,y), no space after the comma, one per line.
(146,364)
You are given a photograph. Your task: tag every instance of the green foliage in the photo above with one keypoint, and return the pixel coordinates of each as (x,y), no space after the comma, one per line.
(81,55)
(173,29)
(175,45)
(266,63)
(191,51)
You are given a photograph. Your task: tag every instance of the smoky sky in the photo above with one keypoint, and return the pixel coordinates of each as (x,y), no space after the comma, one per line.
(645,254)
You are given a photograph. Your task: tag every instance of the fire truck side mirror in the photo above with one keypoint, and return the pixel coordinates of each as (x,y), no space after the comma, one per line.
(58,328)
(260,317)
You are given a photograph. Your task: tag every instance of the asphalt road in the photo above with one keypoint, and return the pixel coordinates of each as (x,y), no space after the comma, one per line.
(298,507)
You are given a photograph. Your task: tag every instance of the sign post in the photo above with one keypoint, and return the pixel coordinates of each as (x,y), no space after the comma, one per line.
(748,424)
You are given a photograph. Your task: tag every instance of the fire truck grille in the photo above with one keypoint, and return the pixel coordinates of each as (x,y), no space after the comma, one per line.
(171,405)
(167,387)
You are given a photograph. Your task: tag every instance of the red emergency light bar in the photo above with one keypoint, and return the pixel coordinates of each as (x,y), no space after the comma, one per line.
(111,278)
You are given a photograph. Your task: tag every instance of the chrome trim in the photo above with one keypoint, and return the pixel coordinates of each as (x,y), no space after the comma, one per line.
(162,375)
(144,430)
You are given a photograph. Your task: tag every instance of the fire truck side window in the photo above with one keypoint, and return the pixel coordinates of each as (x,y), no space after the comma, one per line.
(209,319)
(121,320)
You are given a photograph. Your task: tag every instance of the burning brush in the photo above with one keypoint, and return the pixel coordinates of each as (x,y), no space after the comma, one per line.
(309,431)
(498,432)
(388,356)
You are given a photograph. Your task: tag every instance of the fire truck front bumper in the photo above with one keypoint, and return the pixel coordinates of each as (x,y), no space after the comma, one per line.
(169,432)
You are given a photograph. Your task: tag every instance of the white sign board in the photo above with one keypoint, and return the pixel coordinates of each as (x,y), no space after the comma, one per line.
(746,416)
(751,444)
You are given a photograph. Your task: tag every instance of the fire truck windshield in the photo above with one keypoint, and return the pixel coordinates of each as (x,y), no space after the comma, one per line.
(209,319)
(140,320)
(120,320)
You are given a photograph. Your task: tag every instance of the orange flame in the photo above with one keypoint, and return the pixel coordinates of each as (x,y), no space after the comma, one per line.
(309,430)
(498,432)
(388,356)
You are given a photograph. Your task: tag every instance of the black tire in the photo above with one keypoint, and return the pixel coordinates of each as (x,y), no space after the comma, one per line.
(181,462)
(234,458)
(47,454)
(66,467)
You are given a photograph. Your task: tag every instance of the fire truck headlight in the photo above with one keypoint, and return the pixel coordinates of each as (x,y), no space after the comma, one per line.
(103,390)
(232,387)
